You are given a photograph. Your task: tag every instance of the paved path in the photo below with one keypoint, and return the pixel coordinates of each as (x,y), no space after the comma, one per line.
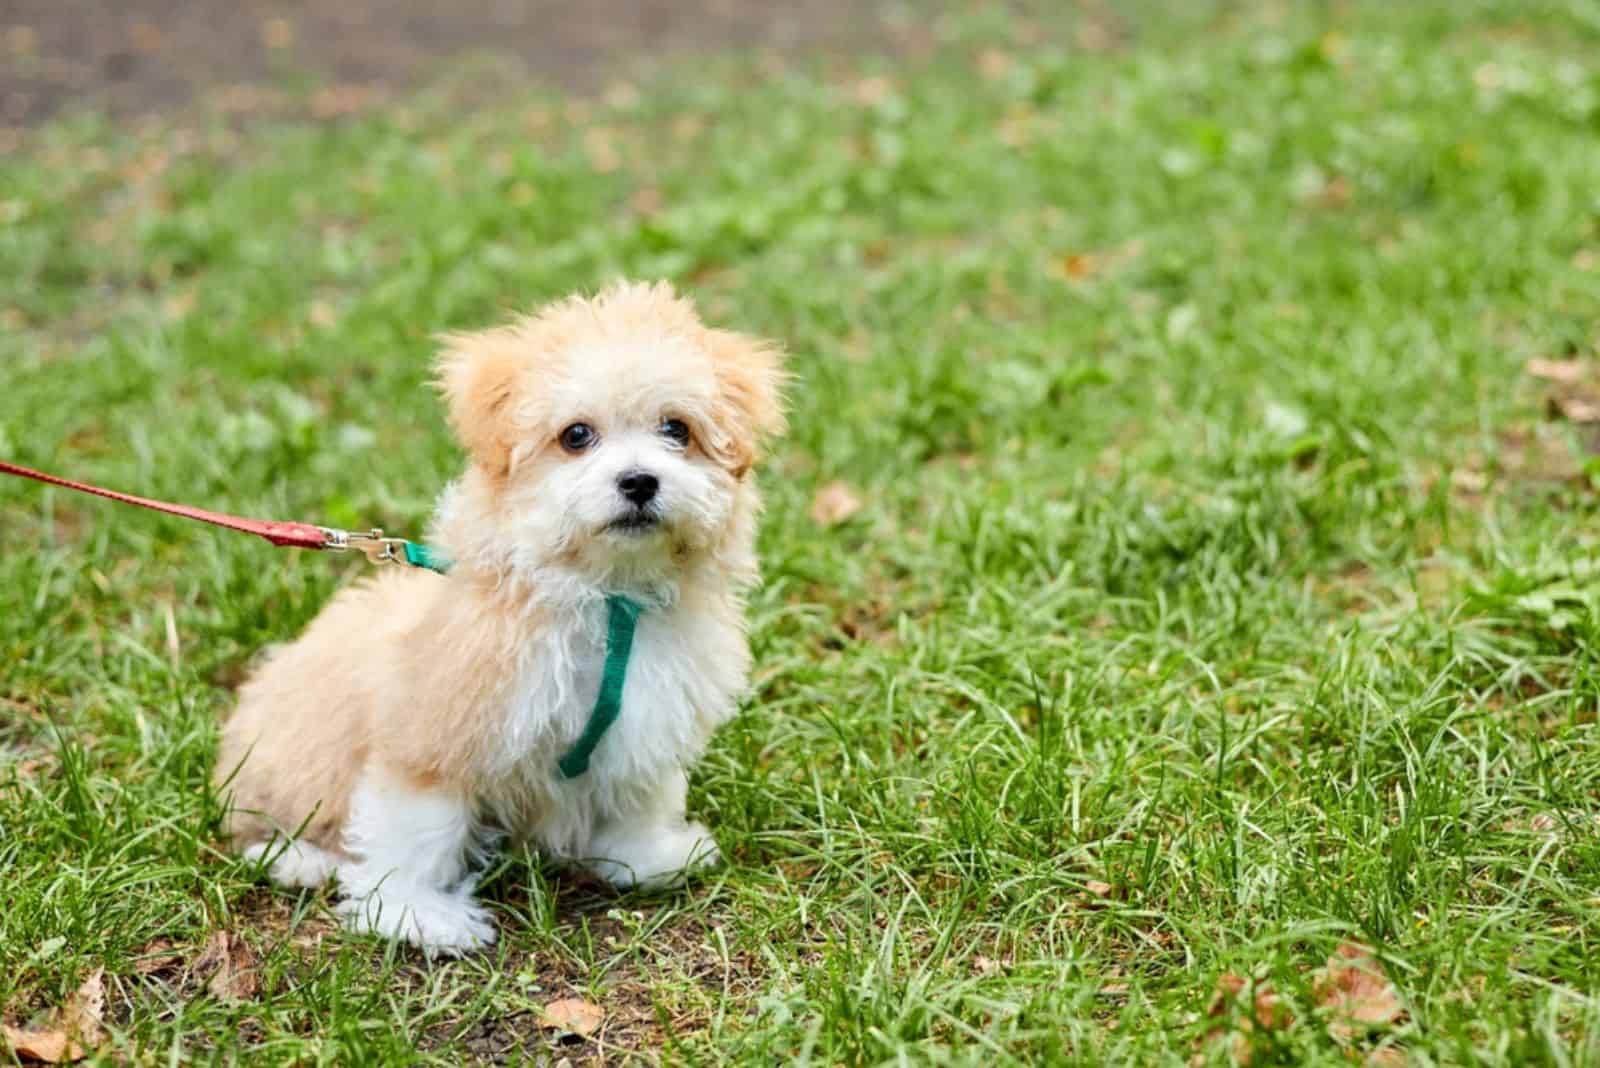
(135,57)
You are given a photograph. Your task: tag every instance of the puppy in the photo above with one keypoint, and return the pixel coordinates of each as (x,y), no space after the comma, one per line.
(611,442)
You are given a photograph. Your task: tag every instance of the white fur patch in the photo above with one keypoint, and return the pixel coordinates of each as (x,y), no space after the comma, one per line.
(411,878)
(297,864)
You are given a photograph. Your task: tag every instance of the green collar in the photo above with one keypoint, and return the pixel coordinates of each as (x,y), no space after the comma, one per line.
(622,615)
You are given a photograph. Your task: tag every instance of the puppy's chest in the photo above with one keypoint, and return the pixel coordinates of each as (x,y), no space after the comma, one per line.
(672,695)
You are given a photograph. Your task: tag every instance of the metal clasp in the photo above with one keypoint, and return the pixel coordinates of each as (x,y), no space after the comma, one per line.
(378,549)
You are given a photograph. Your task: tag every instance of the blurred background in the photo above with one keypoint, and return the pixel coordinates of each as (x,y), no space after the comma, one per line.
(1181,572)
(139,56)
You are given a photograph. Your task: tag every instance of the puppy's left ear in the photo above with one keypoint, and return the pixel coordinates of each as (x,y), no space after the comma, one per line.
(477,374)
(749,406)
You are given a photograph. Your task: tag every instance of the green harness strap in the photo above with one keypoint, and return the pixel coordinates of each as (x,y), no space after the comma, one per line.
(622,616)
(418,555)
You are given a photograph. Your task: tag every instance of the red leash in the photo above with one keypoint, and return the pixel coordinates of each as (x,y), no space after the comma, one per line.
(295,535)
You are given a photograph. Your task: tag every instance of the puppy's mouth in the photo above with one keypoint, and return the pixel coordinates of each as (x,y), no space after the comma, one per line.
(635,523)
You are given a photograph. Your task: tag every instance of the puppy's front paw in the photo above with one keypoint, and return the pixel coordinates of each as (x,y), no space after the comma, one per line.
(652,857)
(437,923)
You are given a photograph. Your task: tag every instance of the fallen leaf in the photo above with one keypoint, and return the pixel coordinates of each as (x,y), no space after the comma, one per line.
(869,91)
(1576,408)
(600,145)
(1098,888)
(1266,1011)
(1567,372)
(993,64)
(228,965)
(1355,992)
(834,503)
(157,956)
(575,1015)
(1078,265)
(646,200)
(86,1008)
(44,1045)
(1387,1057)
(71,1031)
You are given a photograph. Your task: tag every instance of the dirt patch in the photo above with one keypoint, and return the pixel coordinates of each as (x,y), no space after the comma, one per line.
(145,56)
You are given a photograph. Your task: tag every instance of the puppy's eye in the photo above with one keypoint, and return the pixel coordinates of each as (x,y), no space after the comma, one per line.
(578,436)
(675,431)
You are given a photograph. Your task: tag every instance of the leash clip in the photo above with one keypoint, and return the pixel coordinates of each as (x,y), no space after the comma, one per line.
(378,549)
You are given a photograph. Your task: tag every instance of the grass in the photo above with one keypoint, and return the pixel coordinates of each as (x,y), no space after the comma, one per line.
(1225,588)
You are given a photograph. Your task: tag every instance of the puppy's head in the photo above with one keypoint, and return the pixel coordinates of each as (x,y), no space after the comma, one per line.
(616,433)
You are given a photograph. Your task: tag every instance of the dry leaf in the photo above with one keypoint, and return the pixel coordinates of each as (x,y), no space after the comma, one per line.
(47,1046)
(575,1015)
(1078,265)
(1098,888)
(157,956)
(1567,372)
(1266,1011)
(993,64)
(870,91)
(1356,993)
(71,1031)
(834,503)
(85,1009)
(1577,408)
(1387,1057)
(230,964)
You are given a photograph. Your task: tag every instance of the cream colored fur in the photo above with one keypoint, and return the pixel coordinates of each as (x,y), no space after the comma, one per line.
(421,714)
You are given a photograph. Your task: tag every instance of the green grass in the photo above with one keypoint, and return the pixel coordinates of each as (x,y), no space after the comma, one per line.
(1217,549)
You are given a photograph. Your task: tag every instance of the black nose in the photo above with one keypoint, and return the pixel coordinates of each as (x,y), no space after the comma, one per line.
(639,486)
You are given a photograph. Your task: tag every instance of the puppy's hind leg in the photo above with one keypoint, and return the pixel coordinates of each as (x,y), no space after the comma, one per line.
(297,864)
(412,877)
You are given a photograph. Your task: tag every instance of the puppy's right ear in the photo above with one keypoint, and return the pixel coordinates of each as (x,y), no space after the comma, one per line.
(477,374)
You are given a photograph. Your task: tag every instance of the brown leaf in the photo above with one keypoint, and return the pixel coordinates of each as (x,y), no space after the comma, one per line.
(834,503)
(575,1015)
(1577,407)
(1098,888)
(1229,986)
(1566,372)
(870,91)
(993,64)
(228,965)
(1355,992)
(157,956)
(86,1008)
(1080,265)
(71,1031)
(47,1046)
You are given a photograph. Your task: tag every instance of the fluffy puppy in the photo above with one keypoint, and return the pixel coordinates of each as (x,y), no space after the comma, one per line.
(611,443)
